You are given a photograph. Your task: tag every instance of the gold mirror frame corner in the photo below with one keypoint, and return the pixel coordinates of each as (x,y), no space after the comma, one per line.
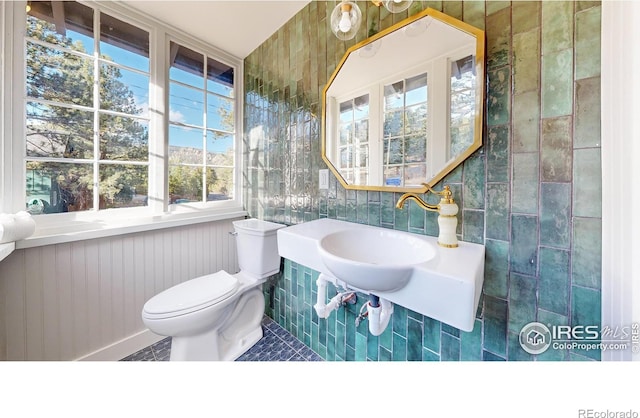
(479,35)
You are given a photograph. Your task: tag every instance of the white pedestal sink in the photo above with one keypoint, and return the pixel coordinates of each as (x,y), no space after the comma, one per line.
(407,269)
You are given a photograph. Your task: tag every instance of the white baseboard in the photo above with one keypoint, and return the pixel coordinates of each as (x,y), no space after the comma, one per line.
(124,347)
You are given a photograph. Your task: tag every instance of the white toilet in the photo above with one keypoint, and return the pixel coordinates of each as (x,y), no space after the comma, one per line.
(218,316)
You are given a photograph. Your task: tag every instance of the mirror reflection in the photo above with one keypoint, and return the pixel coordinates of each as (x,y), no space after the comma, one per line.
(405,106)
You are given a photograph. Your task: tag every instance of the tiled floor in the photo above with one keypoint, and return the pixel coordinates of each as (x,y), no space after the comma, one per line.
(276,345)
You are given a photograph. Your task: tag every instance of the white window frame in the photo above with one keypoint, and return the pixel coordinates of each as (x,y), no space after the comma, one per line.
(433,85)
(373,137)
(454,56)
(64,227)
(206,53)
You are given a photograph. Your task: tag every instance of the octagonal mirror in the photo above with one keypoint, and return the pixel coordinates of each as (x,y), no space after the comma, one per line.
(405,107)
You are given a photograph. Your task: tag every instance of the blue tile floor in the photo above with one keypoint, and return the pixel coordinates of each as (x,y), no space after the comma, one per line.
(277,344)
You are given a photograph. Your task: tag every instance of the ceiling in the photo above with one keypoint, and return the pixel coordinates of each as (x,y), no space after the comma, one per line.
(237,27)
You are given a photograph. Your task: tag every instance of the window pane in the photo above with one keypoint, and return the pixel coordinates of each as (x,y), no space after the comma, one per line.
(220,78)
(416,90)
(464,69)
(219,184)
(461,139)
(415,149)
(464,81)
(416,119)
(58,132)
(58,76)
(187,66)
(394,96)
(363,156)
(393,176)
(59,187)
(346,157)
(462,117)
(345,134)
(414,174)
(348,176)
(220,114)
(463,107)
(123,138)
(67,23)
(124,43)
(185,184)
(185,145)
(362,130)
(123,186)
(393,152)
(186,105)
(361,107)
(220,149)
(346,111)
(393,124)
(362,178)
(123,90)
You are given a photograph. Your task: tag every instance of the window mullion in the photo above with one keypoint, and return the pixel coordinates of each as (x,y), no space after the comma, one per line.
(158,126)
(96,110)
(204,129)
(13,105)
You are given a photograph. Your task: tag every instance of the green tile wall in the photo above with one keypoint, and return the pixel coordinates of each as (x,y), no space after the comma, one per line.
(531,194)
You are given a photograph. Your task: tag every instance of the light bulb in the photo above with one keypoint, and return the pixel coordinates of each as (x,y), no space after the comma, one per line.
(346,19)
(345,22)
(396,6)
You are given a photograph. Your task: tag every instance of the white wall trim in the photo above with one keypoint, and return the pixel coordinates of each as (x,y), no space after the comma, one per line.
(620,168)
(123,348)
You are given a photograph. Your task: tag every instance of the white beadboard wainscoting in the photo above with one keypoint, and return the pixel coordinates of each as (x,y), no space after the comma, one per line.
(82,300)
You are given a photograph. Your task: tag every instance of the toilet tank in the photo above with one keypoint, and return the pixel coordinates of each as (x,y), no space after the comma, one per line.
(257,245)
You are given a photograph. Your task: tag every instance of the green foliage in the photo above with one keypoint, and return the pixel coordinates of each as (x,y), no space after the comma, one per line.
(185,183)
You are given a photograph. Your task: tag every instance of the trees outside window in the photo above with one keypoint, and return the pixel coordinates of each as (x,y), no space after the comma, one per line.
(201,127)
(88,123)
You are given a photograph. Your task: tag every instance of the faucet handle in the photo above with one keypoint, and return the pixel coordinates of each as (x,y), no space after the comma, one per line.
(447,196)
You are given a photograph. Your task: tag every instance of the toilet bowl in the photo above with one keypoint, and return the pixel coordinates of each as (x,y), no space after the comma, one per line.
(218,316)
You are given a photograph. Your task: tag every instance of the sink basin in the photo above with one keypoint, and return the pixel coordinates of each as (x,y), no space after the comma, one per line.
(406,269)
(374,260)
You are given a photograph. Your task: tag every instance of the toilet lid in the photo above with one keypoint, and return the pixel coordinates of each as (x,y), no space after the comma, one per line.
(192,295)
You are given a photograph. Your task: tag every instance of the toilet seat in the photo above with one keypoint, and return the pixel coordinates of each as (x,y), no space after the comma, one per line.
(191,296)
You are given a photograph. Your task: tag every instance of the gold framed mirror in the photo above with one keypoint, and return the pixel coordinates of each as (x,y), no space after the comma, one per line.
(405,107)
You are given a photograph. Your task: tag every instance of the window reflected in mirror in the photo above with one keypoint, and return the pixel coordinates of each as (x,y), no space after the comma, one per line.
(354,139)
(405,134)
(404,107)
(462,116)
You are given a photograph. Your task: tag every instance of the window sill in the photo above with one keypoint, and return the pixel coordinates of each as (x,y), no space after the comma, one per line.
(6,249)
(70,230)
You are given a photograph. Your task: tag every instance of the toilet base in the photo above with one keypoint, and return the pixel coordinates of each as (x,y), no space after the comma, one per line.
(205,347)
(239,331)
(243,345)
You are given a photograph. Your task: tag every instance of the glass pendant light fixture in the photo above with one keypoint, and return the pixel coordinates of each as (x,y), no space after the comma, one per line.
(346,19)
(397,6)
